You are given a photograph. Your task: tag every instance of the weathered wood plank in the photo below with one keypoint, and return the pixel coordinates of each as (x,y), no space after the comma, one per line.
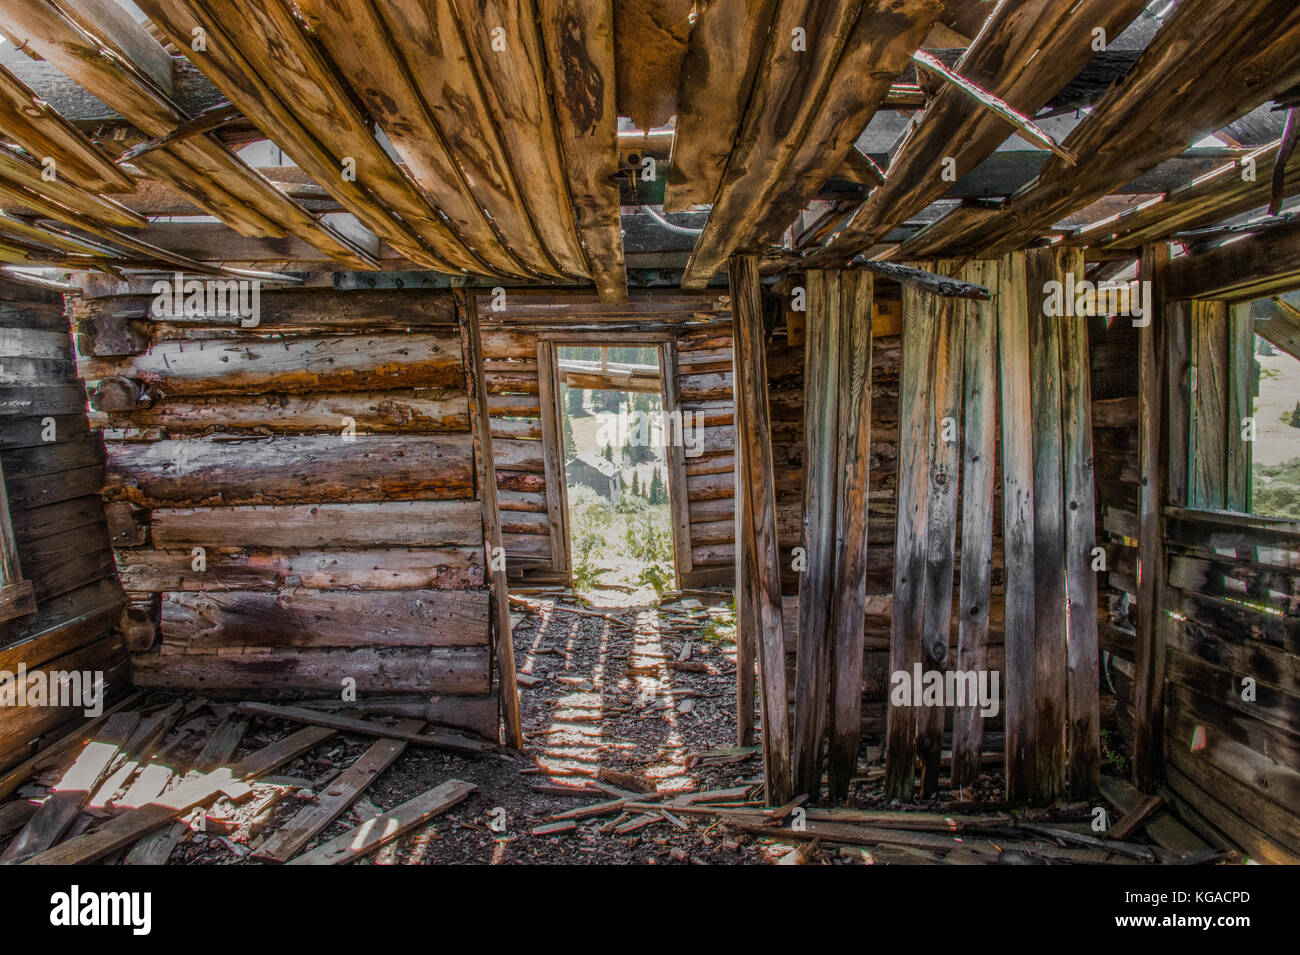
(505,46)
(405,411)
(1149,662)
(1018,525)
(1208,457)
(853,463)
(392,523)
(1083,721)
(945,415)
(41,130)
(758,498)
(244,366)
(446,568)
(452,742)
(552,450)
(578,39)
(156,849)
(383,829)
(726,47)
(291,838)
(678,498)
(916,384)
(1043,266)
(120,832)
(822,350)
(462,670)
(979,458)
(57,813)
(503,642)
(291,470)
(200,623)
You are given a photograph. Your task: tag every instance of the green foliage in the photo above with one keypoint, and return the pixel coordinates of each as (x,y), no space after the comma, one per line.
(1112,755)
(630,503)
(1276,490)
(652,544)
(591,517)
(658,490)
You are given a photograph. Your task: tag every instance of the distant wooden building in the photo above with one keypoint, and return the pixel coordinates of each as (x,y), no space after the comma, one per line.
(591,470)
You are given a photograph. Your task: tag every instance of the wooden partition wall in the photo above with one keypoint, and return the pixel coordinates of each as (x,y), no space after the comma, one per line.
(954,601)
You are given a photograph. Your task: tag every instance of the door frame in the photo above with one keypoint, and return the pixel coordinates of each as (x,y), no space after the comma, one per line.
(549,389)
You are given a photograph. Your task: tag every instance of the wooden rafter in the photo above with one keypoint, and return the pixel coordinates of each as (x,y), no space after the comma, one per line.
(806,110)
(201,167)
(578,37)
(359,39)
(1263,264)
(1025,53)
(515,84)
(38,128)
(1023,125)
(19,171)
(726,46)
(296,98)
(1239,63)
(1232,189)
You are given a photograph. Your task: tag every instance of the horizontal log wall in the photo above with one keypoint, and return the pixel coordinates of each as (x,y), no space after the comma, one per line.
(515,413)
(53,466)
(293,504)
(1113,350)
(1232,676)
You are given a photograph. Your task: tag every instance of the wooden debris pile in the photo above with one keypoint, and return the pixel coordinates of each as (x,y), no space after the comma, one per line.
(983,834)
(115,789)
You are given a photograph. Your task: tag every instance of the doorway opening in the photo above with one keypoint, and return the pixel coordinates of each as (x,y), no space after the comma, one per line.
(616,469)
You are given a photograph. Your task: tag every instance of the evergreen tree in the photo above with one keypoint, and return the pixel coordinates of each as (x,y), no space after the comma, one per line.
(607,453)
(1295,416)
(576,408)
(569,446)
(658,490)
(636,485)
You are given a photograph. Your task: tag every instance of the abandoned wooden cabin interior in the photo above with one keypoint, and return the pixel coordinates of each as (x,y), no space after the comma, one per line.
(972,308)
